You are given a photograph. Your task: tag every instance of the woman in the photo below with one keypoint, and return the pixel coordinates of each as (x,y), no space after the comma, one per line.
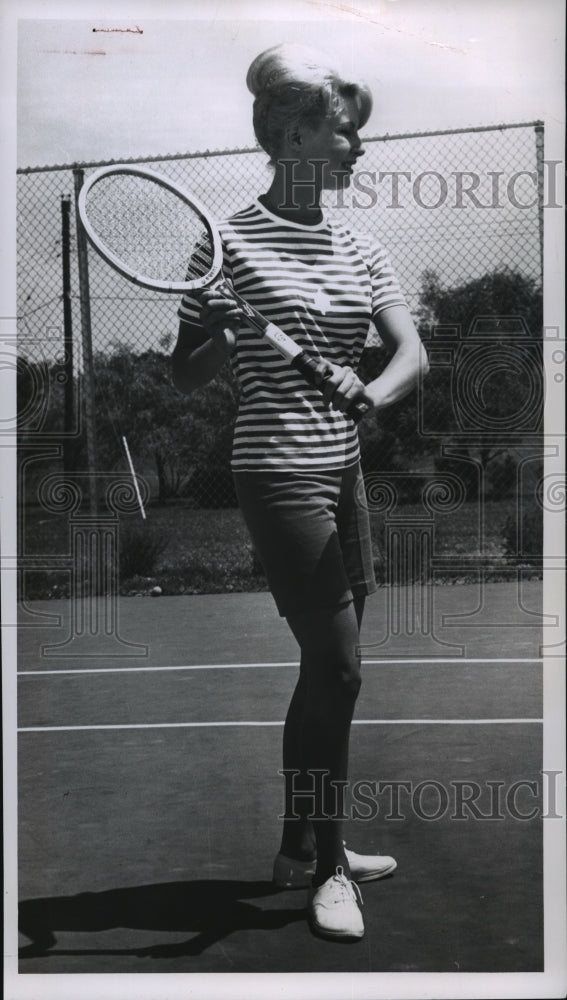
(295,453)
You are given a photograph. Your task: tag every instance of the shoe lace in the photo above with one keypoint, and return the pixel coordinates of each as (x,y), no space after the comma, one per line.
(347,885)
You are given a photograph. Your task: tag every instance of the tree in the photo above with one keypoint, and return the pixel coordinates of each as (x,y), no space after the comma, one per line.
(180,435)
(484,393)
(40,424)
(389,439)
(484,390)
(503,295)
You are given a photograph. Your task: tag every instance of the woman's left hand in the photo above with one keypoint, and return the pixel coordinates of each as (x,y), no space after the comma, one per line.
(343,387)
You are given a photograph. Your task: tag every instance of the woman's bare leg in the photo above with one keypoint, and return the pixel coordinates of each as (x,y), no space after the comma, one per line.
(317,731)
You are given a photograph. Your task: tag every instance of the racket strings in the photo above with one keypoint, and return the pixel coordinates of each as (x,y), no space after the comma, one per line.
(151,230)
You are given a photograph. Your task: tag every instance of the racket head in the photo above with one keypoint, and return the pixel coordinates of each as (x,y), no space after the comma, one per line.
(151,230)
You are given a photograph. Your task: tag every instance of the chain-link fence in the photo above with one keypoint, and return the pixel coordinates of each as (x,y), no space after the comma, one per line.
(460,203)
(460,213)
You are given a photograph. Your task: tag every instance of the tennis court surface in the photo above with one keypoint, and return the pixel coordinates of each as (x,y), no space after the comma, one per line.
(149,791)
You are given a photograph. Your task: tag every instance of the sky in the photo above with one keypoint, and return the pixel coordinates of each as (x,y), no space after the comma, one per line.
(176,83)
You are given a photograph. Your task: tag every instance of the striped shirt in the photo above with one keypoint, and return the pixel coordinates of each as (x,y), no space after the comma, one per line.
(322,285)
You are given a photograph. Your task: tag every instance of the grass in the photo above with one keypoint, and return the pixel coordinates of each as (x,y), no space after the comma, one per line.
(188,551)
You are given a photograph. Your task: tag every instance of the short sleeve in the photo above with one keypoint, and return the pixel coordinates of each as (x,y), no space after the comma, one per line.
(386,289)
(189,308)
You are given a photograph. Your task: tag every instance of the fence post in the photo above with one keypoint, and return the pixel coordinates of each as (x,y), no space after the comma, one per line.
(539,138)
(87,345)
(69,417)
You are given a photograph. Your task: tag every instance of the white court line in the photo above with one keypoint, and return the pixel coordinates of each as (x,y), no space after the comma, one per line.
(356,722)
(254,666)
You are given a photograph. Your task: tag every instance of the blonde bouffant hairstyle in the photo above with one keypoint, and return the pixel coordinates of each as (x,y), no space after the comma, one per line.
(293,84)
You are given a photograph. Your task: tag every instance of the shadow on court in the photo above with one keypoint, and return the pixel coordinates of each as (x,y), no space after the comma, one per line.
(210,909)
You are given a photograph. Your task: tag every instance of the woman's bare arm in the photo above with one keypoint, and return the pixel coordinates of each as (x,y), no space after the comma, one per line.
(200,353)
(408,363)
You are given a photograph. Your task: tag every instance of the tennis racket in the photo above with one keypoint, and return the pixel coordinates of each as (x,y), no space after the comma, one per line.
(160,236)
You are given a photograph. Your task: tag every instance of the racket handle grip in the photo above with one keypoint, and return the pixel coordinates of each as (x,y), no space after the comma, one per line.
(315,372)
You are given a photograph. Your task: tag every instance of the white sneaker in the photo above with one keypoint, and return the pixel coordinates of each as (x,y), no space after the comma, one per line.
(333,908)
(290,874)
(367,867)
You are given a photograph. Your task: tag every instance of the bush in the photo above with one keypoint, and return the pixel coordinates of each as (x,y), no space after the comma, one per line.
(139,548)
(212,487)
(523,537)
(466,472)
(502,475)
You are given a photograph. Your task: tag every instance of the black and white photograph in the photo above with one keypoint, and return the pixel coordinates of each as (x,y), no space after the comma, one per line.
(283,499)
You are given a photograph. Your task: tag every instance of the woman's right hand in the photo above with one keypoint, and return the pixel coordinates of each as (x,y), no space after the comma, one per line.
(220,319)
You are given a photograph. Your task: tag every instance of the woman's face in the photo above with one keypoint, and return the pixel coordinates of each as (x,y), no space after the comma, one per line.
(336,142)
